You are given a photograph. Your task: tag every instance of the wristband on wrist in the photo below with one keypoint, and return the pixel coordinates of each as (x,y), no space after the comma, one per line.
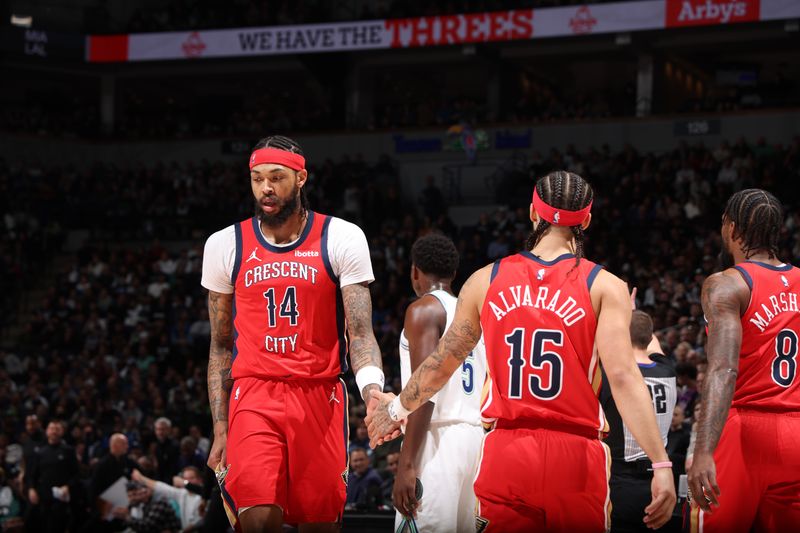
(367,376)
(663,464)
(396,410)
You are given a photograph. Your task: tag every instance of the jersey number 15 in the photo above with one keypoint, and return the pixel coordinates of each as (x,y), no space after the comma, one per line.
(539,359)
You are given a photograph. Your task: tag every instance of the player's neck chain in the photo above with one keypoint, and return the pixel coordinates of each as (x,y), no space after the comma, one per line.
(438,287)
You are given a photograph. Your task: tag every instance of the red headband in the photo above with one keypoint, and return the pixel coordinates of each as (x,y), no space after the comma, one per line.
(278,157)
(559,217)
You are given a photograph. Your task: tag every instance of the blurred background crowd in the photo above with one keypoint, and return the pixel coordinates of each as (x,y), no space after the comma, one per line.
(113,339)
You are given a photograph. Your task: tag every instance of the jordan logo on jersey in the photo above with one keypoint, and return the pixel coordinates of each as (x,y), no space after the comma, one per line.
(253,256)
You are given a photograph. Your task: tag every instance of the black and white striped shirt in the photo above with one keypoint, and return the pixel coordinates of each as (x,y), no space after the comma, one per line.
(659,376)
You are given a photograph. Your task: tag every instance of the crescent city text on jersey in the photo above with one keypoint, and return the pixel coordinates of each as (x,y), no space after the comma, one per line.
(781,303)
(280,269)
(520,296)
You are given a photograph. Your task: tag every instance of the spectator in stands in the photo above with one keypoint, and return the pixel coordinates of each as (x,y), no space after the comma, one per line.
(190,503)
(688,392)
(189,454)
(146,514)
(115,465)
(203,443)
(10,506)
(166,451)
(54,476)
(678,438)
(388,477)
(361,437)
(363,483)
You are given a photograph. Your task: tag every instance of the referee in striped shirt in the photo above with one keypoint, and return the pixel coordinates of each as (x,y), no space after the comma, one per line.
(631,474)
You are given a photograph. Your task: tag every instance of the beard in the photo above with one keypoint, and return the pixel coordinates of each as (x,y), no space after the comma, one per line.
(286,208)
(725,258)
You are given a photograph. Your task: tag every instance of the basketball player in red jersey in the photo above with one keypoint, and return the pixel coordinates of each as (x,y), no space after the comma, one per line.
(541,311)
(746,470)
(282,286)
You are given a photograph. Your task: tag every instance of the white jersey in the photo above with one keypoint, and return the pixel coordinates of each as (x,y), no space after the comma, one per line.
(460,398)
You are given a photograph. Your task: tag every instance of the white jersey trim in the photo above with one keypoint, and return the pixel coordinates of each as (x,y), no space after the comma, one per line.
(347,249)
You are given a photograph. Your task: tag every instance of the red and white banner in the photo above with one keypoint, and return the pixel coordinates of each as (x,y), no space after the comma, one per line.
(435,31)
(711,12)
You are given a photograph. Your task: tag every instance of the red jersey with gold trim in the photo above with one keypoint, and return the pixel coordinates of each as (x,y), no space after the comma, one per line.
(288,313)
(768,359)
(539,326)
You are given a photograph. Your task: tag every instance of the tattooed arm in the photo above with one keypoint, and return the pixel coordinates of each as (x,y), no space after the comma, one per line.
(725,296)
(219,371)
(456,344)
(364,350)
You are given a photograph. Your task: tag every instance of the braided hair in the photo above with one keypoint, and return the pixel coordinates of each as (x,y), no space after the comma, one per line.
(562,190)
(757,217)
(279,142)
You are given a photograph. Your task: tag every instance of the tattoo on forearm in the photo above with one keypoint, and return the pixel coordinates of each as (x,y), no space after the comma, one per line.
(429,377)
(364,348)
(220,354)
(722,305)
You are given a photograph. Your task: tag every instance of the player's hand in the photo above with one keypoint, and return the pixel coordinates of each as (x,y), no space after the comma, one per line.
(371,401)
(702,477)
(216,457)
(381,428)
(404,491)
(661,506)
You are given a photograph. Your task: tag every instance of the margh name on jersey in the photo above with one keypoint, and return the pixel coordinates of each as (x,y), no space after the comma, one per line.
(520,296)
(280,269)
(785,302)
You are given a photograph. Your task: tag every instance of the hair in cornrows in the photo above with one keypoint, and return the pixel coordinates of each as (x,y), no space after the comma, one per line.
(280,142)
(562,190)
(757,217)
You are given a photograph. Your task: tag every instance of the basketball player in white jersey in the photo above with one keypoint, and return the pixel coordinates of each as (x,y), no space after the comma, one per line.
(443,437)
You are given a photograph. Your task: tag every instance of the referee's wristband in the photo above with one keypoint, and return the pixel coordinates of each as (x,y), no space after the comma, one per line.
(396,410)
(369,375)
(663,464)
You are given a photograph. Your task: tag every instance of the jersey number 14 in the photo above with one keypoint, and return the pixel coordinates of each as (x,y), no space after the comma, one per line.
(286,309)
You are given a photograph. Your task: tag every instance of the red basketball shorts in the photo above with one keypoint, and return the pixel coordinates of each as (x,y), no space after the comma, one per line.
(287,446)
(542,480)
(758,473)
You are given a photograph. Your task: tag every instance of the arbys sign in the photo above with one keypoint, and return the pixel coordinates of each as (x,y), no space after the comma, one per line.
(710,12)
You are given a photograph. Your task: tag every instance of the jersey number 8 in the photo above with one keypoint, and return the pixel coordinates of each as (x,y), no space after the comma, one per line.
(784,366)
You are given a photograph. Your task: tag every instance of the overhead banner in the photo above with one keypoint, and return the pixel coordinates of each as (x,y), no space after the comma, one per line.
(496,26)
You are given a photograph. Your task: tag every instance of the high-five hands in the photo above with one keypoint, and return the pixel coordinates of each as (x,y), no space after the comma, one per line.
(380,426)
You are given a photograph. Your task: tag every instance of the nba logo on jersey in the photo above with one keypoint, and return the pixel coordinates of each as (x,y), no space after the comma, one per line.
(785,281)
(556,217)
(236,396)
(540,274)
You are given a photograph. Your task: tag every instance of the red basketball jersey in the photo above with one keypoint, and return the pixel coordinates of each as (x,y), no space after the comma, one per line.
(770,327)
(539,325)
(288,315)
